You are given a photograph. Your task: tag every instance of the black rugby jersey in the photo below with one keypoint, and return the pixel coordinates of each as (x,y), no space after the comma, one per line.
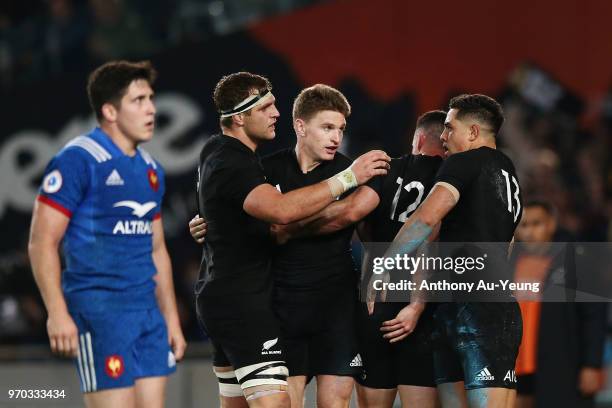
(487,213)
(401,191)
(236,253)
(316,261)
(490,205)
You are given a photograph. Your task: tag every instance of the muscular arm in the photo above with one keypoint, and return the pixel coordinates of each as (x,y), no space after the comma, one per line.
(268,204)
(342,213)
(423,224)
(46,233)
(424,221)
(336,216)
(165,290)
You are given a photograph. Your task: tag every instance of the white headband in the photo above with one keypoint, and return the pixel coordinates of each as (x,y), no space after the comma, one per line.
(250,102)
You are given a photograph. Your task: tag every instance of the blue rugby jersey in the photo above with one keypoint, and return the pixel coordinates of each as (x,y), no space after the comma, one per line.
(112,200)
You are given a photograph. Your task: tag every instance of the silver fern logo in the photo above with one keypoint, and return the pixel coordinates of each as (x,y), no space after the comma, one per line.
(267,345)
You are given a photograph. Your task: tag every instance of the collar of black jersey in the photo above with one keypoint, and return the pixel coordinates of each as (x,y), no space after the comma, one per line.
(322,164)
(236,142)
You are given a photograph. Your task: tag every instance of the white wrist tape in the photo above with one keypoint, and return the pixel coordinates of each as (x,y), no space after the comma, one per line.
(342,182)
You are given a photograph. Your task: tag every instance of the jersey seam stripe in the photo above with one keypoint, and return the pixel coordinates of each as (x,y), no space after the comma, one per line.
(82,142)
(147,157)
(87,149)
(92,147)
(104,155)
(80,365)
(94,384)
(86,368)
(54,204)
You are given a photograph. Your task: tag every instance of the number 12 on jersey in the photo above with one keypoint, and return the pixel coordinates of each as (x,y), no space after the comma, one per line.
(413,184)
(517,209)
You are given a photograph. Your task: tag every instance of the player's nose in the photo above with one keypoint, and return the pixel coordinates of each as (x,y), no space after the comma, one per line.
(151,109)
(336,137)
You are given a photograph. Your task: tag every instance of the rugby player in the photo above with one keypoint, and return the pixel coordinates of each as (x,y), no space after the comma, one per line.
(410,179)
(114,306)
(478,197)
(234,291)
(384,204)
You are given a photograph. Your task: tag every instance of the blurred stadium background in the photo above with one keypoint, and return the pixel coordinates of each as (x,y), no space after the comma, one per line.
(548,62)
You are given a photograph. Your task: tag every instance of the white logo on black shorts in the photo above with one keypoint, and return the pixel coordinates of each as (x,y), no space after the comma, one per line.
(484,375)
(510,376)
(356,361)
(267,345)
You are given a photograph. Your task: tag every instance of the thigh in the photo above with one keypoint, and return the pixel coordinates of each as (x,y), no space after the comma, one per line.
(413,358)
(152,351)
(296,386)
(295,320)
(108,349)
(334,350)
(416,396)
(375,397)
(150,392)
(246,334)
(487,339)
(376,352)
(334,391)
(447,362)
(115,397)
(452,395)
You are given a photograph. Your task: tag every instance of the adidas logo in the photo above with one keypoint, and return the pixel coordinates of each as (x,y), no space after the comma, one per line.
(484,375)
(114,179)
(356,361)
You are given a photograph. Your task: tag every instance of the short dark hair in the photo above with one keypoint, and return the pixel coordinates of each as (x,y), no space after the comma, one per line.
(318,98)
(235,88)
(543,204)
(109,82)
(433,120)
(480,107)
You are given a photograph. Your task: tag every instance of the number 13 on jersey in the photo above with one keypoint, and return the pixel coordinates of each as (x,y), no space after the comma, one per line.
(514,210)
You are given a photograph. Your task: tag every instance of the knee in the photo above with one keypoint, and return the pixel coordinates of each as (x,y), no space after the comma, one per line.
(340,400)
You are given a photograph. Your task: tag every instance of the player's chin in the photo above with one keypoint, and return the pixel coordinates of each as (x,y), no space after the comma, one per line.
(328,154)
(146,134)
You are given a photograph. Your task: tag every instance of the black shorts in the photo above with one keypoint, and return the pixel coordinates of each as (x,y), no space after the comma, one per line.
(387,365)
(318,328)
(477,343)
(243,329)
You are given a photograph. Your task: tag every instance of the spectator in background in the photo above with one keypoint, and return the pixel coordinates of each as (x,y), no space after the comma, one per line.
(65,39)
(118,32)
(559,362)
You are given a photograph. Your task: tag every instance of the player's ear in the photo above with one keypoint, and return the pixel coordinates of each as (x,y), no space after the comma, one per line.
(474,132)
(238,119)
(300,127)
(109,112)
(421,140)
